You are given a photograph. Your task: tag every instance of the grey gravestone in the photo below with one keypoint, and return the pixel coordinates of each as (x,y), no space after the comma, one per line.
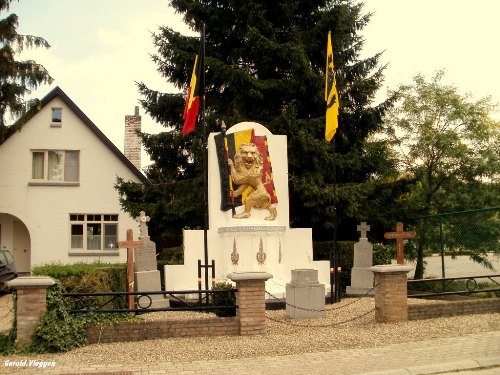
(145,259)
(147,276)
(361,276)
(305,296)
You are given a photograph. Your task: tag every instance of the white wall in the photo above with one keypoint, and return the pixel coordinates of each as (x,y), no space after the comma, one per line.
(45,209)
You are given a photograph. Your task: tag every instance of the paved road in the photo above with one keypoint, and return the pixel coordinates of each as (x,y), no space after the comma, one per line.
(459,266)
(477,354)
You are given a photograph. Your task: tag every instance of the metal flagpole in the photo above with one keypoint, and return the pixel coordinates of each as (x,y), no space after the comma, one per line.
(205,156)
(335,227)
(226,152)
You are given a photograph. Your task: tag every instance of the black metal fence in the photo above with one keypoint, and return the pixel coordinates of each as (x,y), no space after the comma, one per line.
(459,244)
(483,286)
(180,300)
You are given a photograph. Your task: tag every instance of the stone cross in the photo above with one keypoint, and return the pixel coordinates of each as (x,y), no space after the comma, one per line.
(399,235)
(142,219)
(130,245)
(363,228)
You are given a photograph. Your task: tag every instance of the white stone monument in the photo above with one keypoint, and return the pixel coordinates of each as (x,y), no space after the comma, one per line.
(361,275)
(147,276)
(259,242)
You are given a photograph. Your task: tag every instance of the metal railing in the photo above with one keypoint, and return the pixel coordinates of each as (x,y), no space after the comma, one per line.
(82,302)
(454,286)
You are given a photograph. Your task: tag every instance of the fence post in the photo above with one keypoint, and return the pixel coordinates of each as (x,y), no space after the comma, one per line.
(391,293)
(31,295)
(251,301)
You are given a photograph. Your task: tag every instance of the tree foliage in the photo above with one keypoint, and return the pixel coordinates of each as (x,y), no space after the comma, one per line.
(449,144)
(17,78)
(265,62)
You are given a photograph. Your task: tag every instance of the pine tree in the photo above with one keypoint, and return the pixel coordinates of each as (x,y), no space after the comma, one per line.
(265,62)
(17,78)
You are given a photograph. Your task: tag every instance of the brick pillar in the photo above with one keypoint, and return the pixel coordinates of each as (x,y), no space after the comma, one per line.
(391,300)
(31,293)
(251,301)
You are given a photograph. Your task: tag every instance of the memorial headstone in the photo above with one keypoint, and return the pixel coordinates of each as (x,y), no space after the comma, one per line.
(147,276)
(361,276)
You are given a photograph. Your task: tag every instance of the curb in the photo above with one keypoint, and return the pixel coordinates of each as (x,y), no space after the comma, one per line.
(443,367)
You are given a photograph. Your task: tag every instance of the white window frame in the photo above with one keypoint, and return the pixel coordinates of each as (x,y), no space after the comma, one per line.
(66,174)
(99,242)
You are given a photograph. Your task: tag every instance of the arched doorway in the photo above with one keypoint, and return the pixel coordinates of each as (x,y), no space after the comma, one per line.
(16,237)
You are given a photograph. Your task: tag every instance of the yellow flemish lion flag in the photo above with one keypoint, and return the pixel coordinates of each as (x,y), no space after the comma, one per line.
(331,96)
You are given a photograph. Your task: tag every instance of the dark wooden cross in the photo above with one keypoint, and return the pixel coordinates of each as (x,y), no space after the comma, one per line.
(399,235)
(130,245)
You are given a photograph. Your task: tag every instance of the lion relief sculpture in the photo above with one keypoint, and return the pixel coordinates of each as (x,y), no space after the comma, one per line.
(246,171)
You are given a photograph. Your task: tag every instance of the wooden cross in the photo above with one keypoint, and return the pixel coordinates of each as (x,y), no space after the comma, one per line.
(399,235)
(130,245)
(363,228)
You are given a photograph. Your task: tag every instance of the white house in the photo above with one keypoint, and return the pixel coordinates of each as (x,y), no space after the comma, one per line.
(58,203)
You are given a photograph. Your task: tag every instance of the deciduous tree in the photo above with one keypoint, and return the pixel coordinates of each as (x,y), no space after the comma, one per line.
(449,144)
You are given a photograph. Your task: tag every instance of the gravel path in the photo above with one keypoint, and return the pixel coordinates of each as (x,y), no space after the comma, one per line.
(349,324)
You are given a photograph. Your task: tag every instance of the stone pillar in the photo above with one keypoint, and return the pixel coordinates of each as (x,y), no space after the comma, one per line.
(251,301)
(391,300)
(305,296)
(31,295)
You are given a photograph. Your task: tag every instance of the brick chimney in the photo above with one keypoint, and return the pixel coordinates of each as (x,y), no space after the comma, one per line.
(132,140)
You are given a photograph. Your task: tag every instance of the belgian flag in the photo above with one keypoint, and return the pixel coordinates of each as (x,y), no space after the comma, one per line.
(226,149)
(195,91)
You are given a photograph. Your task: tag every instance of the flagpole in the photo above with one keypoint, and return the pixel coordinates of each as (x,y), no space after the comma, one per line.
(226,152)
(205,156)
(332,108)
(335,227)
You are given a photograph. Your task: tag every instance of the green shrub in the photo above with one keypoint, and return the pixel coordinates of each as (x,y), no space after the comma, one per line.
(8,340)
(172,255)
(223,299)
(383,254)
(89,278)
(60,331)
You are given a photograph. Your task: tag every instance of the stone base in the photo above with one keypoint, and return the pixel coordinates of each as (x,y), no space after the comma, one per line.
(149,281)
(305,296)
(361,282)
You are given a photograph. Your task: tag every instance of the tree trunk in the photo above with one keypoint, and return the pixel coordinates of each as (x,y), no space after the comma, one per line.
(419,269)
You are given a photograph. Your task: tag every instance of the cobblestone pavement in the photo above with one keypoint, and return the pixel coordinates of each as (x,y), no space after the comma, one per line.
(475,354)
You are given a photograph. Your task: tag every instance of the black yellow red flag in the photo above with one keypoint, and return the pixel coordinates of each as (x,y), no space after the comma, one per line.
(192,106)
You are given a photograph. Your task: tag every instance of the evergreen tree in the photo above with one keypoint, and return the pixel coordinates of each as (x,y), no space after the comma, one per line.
(265,62)
(17,78)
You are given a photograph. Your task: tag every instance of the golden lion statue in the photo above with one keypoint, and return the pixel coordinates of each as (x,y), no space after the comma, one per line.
(246,171)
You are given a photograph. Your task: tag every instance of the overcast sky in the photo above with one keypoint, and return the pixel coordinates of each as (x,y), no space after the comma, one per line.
(99,48)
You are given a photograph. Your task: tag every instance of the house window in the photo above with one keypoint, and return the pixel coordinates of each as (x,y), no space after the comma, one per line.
(94,231)
(55,166)
(56,115)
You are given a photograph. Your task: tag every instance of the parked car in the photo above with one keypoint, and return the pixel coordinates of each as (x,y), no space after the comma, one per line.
(7,267)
